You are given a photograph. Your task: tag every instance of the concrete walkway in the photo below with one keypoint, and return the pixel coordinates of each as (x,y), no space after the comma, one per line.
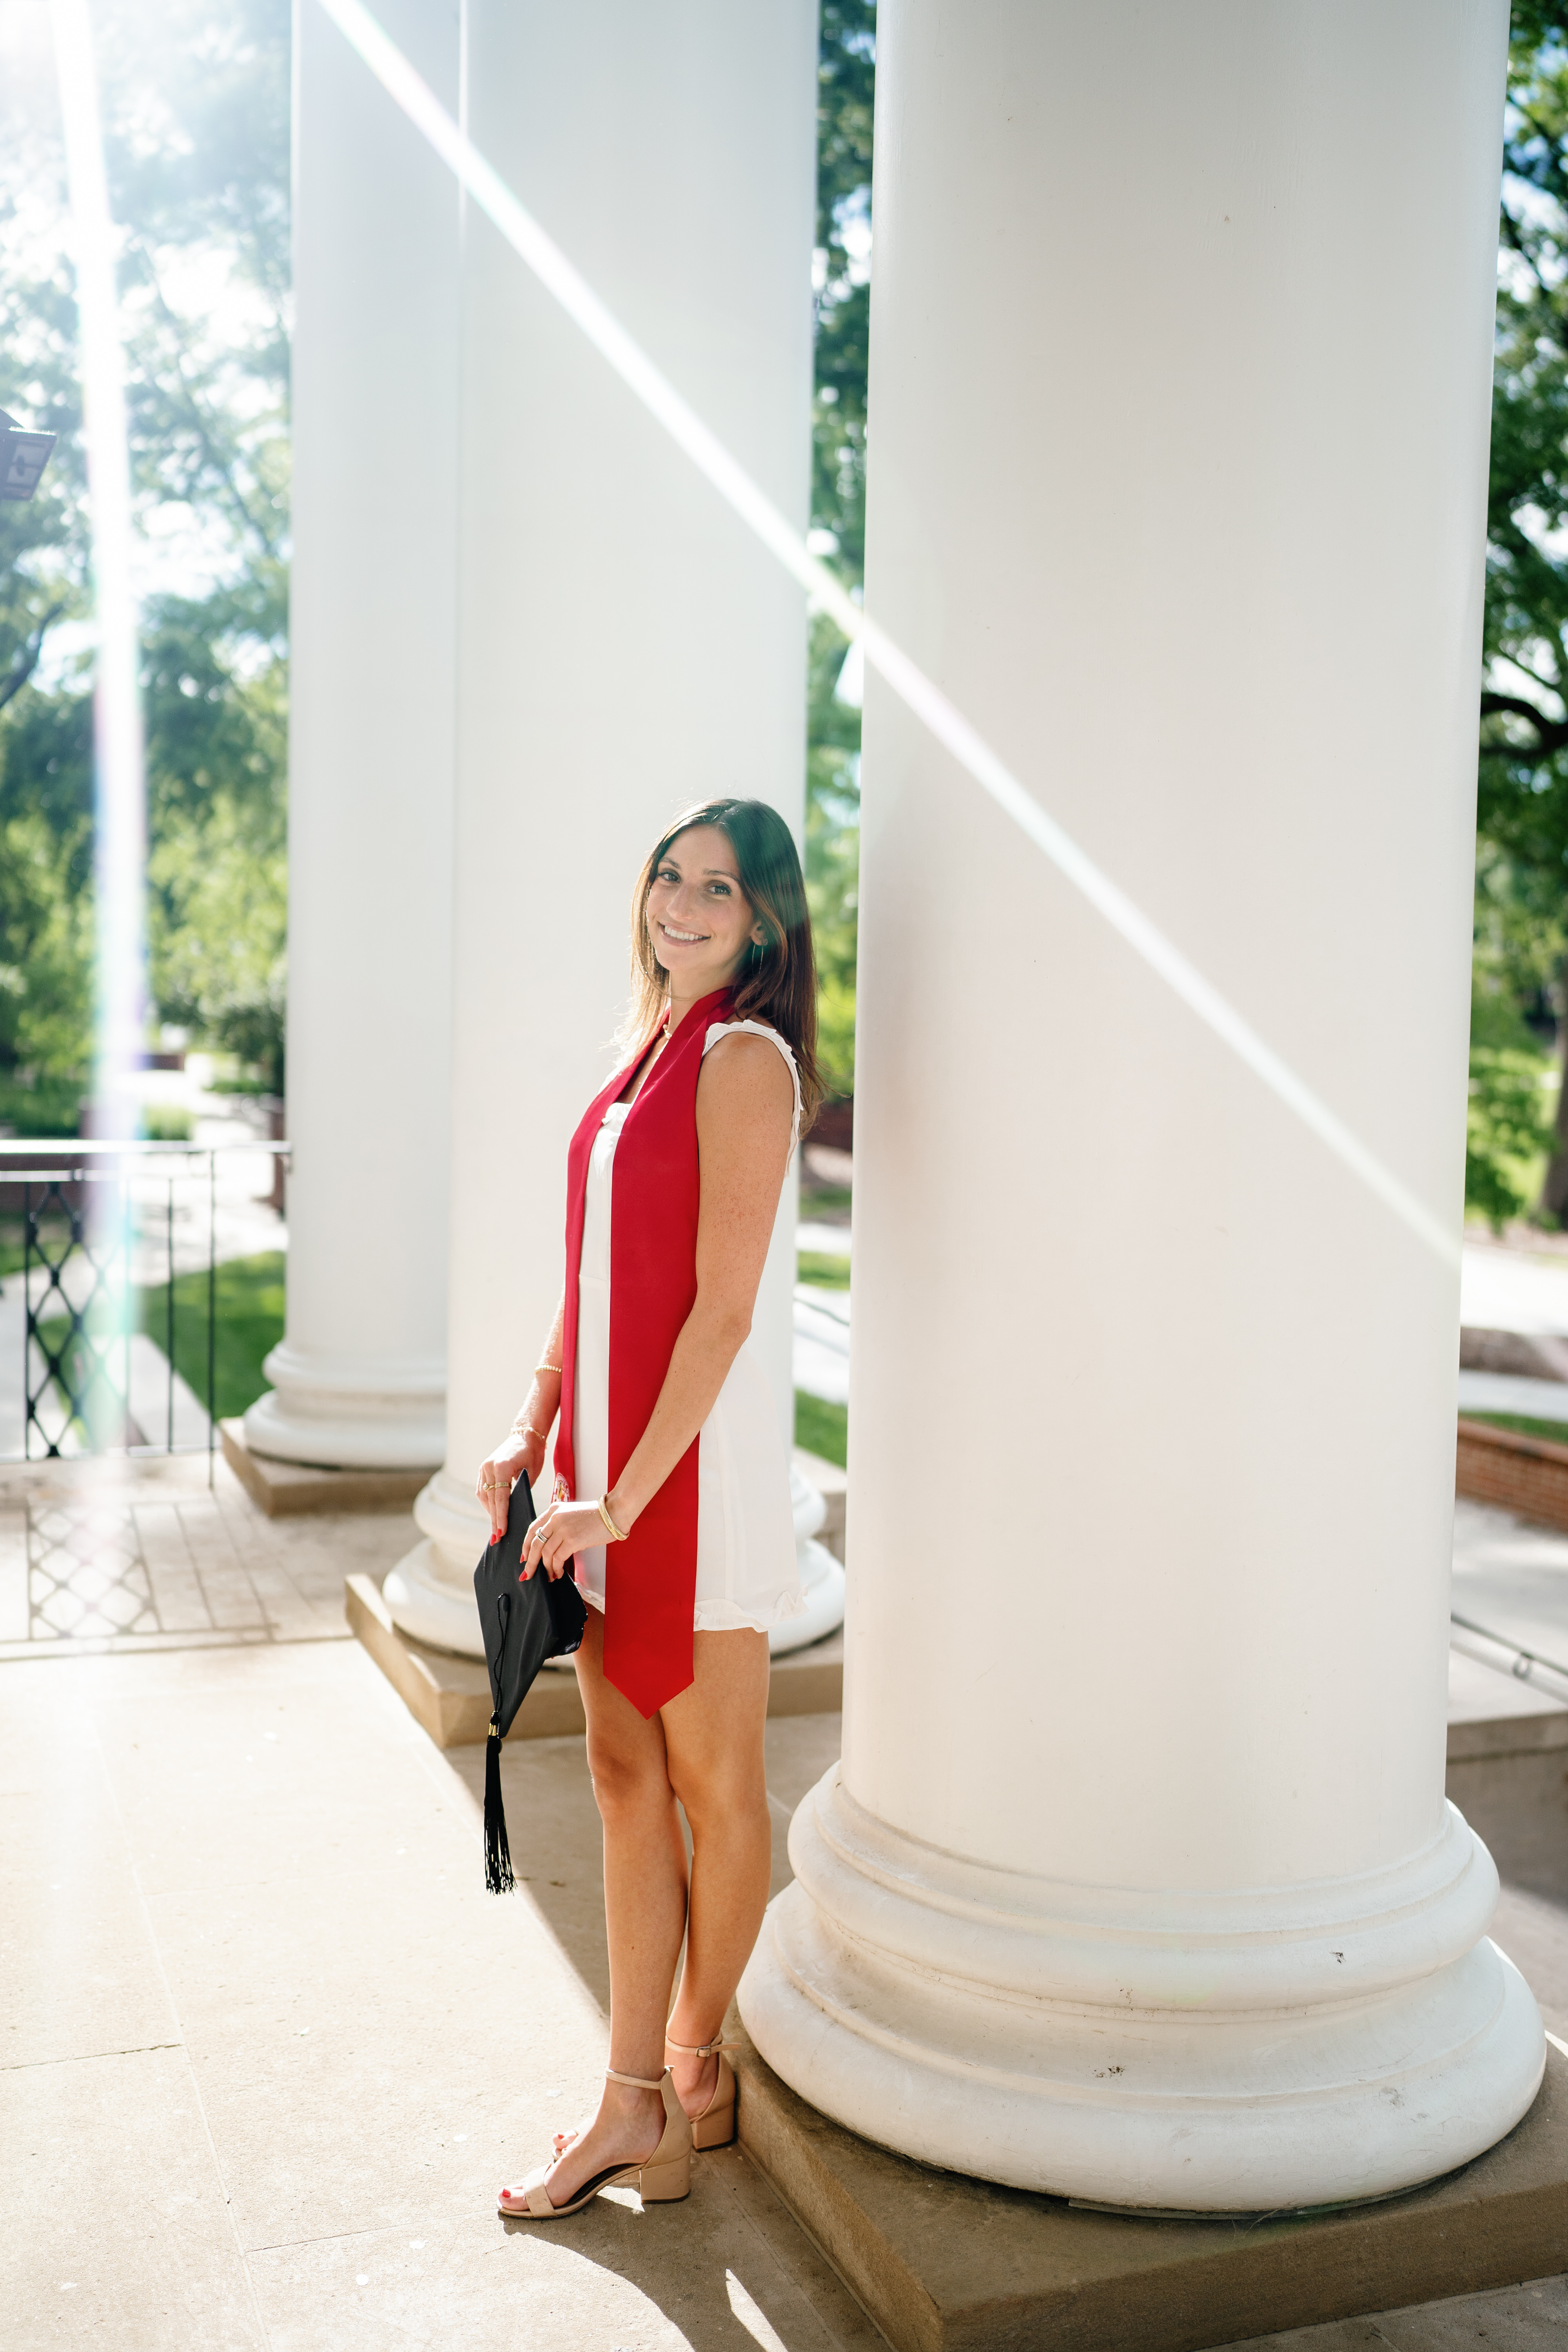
(271,2048)
(1509,1290)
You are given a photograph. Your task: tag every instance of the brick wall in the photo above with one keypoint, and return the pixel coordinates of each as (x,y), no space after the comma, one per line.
(1526,1475)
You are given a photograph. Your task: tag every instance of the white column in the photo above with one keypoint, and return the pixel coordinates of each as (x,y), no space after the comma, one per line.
(359,1379)
(1137,1882)
(626,646)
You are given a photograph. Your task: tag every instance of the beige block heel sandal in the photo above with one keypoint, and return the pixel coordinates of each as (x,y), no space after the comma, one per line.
(715,2126)
(660,2178)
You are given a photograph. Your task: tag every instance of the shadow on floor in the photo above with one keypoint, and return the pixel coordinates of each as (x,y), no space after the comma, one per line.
(553,1825)
(709,2267)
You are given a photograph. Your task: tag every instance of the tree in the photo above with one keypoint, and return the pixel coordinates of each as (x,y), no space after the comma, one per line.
(1523,884)
(845,79)
(197,123)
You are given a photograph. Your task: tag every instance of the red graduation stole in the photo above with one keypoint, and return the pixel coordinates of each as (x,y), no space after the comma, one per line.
(650,1580)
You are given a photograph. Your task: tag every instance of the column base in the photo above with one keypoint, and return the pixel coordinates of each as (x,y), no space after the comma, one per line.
(430,1592)
(1264,2051)
(823,1579)
(346,1413)
(946,2264)
(421,1602)
(286,1489)
(821,1576)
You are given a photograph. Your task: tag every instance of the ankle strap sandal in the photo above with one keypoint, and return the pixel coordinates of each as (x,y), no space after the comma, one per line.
(715,2126)
(660,2178)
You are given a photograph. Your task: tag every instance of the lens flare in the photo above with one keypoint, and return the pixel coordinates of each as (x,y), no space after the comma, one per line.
(923,697)
(120,853)
(119,828)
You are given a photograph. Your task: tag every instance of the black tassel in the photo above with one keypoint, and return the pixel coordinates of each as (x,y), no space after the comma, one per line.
(498,1854)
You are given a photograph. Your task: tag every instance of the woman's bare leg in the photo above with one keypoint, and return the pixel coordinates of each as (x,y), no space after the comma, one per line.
(645,1914)
(710,1745)
(713,1743)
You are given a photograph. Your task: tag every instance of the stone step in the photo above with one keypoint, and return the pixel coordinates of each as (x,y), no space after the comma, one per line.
(290,1490)
(451,1697)
(946,2263)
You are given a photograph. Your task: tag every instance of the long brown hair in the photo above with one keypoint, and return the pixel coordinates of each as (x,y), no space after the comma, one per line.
(777,980)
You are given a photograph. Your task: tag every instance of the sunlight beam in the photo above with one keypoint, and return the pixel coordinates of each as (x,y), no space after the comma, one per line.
(942,718)
(120,833)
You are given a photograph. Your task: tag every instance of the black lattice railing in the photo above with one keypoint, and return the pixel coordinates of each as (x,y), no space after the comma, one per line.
(101,1223)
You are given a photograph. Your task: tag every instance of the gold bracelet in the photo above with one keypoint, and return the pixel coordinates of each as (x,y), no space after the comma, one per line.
(546,1368)
(522,1428)
(615,1535)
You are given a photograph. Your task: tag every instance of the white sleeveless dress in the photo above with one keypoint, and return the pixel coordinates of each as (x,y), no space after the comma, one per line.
(747,1571)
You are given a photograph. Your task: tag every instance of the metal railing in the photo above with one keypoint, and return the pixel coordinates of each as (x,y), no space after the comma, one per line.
(1525,1664)
(102,1227)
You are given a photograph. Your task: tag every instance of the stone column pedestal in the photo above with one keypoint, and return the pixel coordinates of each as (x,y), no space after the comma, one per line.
(1137,1883)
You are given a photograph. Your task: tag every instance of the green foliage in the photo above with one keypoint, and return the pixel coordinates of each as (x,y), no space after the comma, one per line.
(846,80)
(822,1428)
(1508,1132)
(217,868)
(833,853)
(1522,882)
(1524,731)
(1519,945)
(197,123)
(816,1265)
(45,947)
(168,1122)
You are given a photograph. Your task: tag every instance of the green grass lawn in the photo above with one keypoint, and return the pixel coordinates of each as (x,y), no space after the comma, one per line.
(56,1234)
(1555,1432)
(250,1322)
(818,1266)
(249,1301)
(822,1428)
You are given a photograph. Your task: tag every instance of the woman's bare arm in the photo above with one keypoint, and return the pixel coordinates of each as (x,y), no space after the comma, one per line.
(745,1107)
(521,1451)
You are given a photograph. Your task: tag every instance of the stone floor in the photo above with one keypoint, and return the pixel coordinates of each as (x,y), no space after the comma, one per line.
(170,1552)
(271,2047)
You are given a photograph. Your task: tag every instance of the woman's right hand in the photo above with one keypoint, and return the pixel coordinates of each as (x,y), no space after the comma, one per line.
(500,1470)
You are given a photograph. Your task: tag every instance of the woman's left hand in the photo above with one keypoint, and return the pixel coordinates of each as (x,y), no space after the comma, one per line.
(561,1530)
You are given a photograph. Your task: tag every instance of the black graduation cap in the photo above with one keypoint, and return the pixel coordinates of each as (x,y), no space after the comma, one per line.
(522,1625)
(23,456)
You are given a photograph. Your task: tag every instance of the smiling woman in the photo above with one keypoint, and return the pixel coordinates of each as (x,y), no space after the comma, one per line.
(671,1505)
(747,912)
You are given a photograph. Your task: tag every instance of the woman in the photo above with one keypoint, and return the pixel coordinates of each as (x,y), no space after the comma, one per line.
(672,1503)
